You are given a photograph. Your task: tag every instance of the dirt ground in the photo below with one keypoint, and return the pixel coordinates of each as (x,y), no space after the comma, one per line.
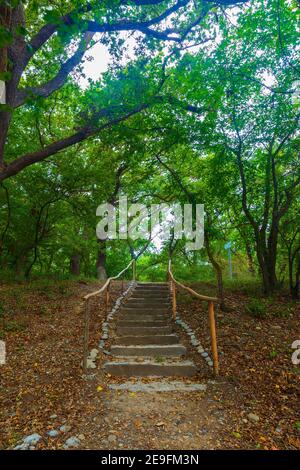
(42,386)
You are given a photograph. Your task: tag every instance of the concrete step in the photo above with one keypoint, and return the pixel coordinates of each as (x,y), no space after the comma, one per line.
(152,290)
(155,350)
(150,368)
(144,330)
(150,339)
(150,299)
(143,304)
(144,310)
(151,295)
(142,322)
(134,317)
(152,284)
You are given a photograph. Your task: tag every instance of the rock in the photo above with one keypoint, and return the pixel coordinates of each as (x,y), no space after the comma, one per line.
(90,364)
(93,354)
(204,354)
(22,447)
(53,433)
(81,437)
(71,442)
(33,439)
(65,428)
(111,438)
(253,417)
(53,416)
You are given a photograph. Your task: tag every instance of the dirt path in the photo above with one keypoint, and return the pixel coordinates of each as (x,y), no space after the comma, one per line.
(42,387)
(157,420)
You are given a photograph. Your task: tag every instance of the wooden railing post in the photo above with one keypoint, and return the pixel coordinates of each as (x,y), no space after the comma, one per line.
(174,304)
(86,334)
(213,334)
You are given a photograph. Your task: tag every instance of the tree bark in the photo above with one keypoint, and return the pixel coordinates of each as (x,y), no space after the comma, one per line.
(101,261)
(218,271)
(14,55)
(75,264)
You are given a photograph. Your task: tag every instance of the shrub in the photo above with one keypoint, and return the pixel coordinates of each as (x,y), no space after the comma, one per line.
(256,308)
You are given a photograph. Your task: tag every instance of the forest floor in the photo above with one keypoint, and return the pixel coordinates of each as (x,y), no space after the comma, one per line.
(254,404)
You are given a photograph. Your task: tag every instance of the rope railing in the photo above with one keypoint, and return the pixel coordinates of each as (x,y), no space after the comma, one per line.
(211,311)
(105,289)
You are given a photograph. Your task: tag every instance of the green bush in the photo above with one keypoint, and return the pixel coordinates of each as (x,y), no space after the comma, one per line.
(256,308)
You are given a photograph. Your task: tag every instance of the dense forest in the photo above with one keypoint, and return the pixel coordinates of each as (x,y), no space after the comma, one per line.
(164,102)
(204,108)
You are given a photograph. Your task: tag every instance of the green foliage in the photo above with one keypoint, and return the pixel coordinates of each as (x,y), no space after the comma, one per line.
(241,85)
(256,308)
(273,354)
(14,326)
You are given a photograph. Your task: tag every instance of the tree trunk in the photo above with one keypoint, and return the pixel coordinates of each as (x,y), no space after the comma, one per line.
(251,268)
(294,285)
(11,60)
(218,271)
(101,261)
(75,264)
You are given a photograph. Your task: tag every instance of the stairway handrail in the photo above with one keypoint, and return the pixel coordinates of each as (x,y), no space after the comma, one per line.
(86,298)
(188,289)
(211,301)
(108,281)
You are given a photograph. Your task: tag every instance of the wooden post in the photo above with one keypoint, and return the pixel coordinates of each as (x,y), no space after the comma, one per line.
(86,334)
(214,347)
(174,300)
(134,270)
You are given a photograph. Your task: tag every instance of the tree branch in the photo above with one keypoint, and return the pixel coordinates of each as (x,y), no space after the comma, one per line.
(84,133)
(59,80)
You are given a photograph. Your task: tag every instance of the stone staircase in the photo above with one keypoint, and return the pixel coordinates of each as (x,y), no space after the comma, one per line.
(146,344)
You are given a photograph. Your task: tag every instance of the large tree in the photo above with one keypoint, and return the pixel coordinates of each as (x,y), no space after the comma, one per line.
(33,34)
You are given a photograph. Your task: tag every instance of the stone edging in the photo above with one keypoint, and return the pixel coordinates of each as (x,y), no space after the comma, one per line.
(193,340)
(105,324)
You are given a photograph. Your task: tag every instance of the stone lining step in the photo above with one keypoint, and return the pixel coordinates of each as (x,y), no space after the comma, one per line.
(142,322)
(155,350)
(150,369)
(144,330)
(160,385)
(149,339)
